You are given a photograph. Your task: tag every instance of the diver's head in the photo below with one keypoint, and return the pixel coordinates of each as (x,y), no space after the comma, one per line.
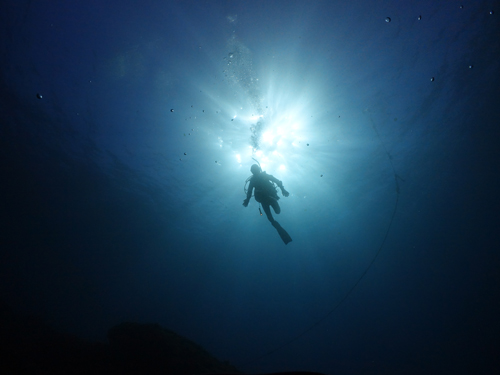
(255,169)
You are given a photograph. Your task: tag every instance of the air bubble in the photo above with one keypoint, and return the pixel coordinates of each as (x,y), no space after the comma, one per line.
(172,110)
(419,18)
(432,79)
(387,19)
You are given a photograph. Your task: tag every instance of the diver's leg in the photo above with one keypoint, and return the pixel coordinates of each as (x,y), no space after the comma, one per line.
(267,210)
(283,234)
(275,205)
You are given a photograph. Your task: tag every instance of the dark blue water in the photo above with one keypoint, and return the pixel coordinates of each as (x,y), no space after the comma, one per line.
(122,182)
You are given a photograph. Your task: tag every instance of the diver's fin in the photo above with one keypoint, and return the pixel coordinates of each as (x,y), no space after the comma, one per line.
(283,234)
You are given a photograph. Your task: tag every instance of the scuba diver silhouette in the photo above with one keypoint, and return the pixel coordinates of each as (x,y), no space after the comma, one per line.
(267,196)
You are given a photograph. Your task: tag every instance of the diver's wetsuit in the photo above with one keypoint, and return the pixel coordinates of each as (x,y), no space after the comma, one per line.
(265,192)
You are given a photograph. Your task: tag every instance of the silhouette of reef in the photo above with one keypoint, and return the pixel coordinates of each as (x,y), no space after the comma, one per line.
(28,346)
(149,348)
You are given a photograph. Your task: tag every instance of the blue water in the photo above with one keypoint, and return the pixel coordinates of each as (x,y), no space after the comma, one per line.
(122,186)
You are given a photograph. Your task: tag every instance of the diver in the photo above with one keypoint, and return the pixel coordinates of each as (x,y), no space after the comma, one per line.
(267,196)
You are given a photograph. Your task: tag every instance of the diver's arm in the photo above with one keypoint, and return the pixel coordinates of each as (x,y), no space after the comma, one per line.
(249,194)
(280,185)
